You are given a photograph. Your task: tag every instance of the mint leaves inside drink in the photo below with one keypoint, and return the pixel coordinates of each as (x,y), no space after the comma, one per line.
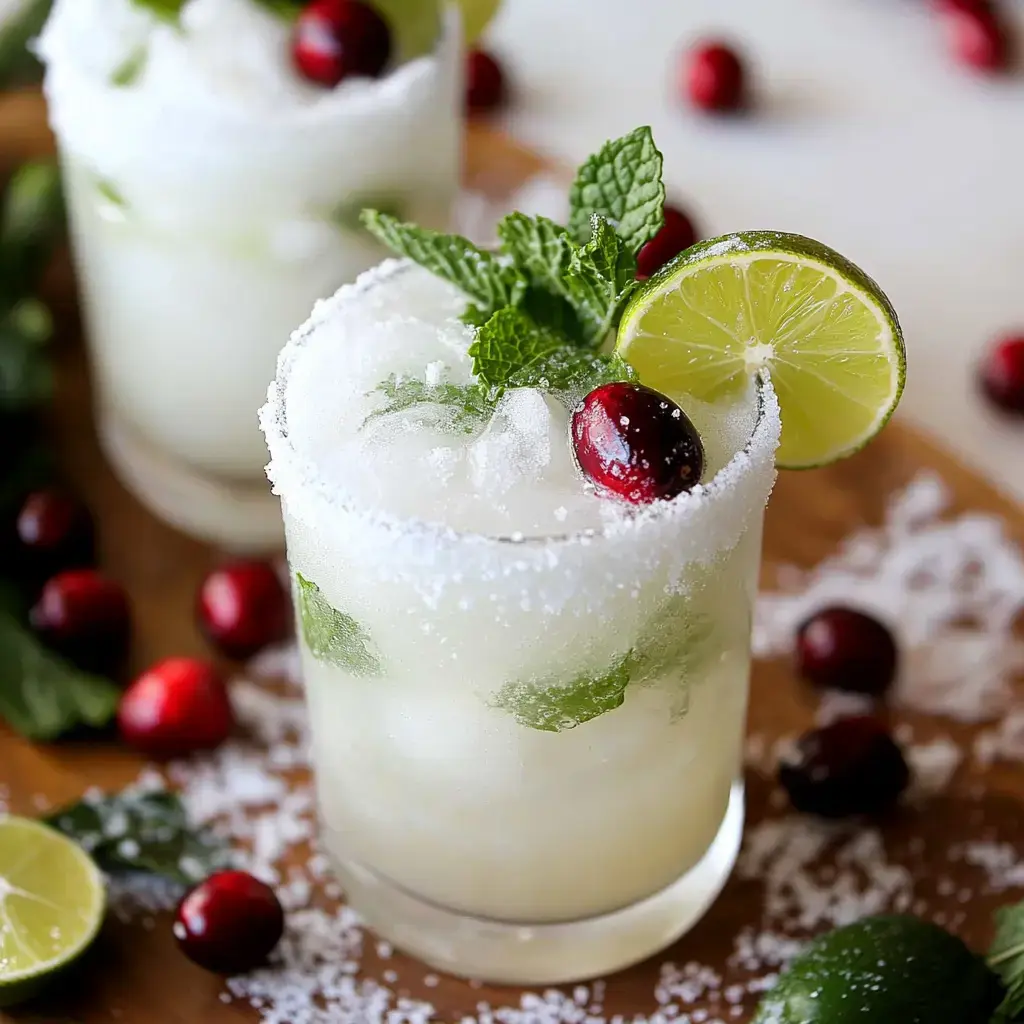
(140,831)
(331,635)
(544,306)
(1006,958)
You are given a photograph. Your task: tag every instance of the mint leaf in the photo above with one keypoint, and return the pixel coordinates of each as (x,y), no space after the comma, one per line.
(348,214)
(622,183)
(554,707)
(466,406)
(510,343)
(572,372)
(165,10)
(128,71)
(287,9)
(43,696)
(18,65)
(31,224)
(110,192)
(1006,958)
(489,283)
(599,281)
(142,831)
(333,636)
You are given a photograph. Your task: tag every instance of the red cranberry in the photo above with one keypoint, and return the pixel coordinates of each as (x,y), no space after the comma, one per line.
(85,617)
(485,82)
(852,766)
(843,649)
(977,37)
(178,706)
(633,442)
(713,77)
(676,234)
(337,39)
(54,531)
(243,607)
(230,923)
(1002,375)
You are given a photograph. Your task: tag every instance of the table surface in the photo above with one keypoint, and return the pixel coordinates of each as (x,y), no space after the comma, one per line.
(134,975)
(864,134)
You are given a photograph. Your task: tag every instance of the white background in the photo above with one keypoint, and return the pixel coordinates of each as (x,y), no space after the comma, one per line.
(865,135)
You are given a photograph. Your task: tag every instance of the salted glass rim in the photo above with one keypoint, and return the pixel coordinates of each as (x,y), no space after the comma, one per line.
(292,472)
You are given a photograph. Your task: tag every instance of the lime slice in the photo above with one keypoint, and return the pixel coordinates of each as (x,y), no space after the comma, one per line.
(734,306)
(417,23)
(51,905)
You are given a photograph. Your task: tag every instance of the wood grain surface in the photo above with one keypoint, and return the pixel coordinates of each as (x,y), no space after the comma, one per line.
(135,975)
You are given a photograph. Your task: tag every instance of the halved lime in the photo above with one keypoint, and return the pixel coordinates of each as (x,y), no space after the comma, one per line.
(734,306)
(51,905)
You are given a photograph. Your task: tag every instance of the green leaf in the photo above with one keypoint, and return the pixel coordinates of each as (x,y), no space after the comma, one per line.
(331,635)
(1006,958)
(622,183)
(287,9)
(165,10)
(599,281)
(128,71)
(31,224)
(110,192)
(511,344)
(348,214)
(143,831)
(466,407)
(18,65)
(26,379)
(554,706)
(43,696)
(572,372)
(488,282)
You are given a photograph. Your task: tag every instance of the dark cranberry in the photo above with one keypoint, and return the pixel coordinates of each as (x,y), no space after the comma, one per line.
(485,82)
(676,234)
(852,766)
(1002,374)
(230,923)
(54,531)
(977,37)
(713,77)
(243,607)
(843,649)
(84,616)
(633,442)
(179,706)
(338,39)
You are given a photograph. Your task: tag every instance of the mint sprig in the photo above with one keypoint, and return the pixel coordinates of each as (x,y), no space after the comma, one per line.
(544,307)
(466,406)
(165,10)
(489,283)
(622,183)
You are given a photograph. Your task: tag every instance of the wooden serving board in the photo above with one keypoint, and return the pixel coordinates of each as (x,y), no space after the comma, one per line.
(135,975)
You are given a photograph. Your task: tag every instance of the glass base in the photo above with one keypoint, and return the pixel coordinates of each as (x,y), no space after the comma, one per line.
(545,954)
(240,517)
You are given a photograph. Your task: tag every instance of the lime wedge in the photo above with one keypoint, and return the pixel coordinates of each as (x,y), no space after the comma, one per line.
(738,305)
(417,23)
(51,905)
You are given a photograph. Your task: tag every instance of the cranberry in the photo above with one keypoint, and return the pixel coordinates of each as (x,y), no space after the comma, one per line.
(843,649)
(977,37)
(713,77)
(1002,375)
(178,706)
(337,39)
(633,442)
(485,82)
(852,766)
(85,617)
(54,531)
(243,607)
(675,235)
(230,923)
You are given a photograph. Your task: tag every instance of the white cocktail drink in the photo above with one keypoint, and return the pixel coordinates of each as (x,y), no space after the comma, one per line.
(527,700)
(213,197)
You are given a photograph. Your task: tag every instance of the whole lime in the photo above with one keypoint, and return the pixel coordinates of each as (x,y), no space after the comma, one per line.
(892,969)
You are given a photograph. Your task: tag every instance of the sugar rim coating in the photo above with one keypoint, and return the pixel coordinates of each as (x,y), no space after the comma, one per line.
(295,476)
